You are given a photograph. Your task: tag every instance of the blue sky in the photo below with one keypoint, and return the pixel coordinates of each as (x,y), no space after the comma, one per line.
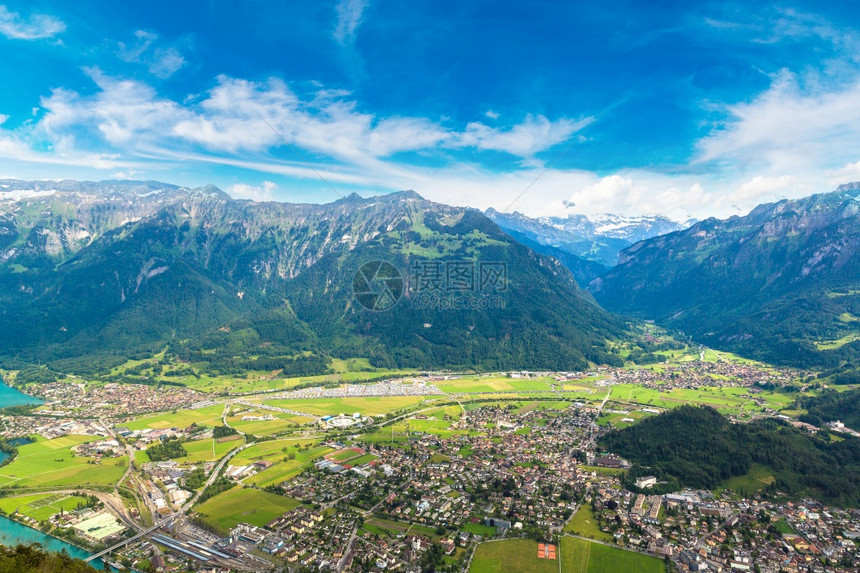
(679,108)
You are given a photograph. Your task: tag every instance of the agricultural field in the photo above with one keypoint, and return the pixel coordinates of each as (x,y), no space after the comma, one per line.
(584,523)
(239,504)
(209,449)
(370,406)
(52,463)
(41,506)
(728,400)
(288,456)
(349,370)
(208,416)
(580,556)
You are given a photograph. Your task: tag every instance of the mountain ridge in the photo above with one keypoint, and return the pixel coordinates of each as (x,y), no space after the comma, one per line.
(181,264)
(776,284)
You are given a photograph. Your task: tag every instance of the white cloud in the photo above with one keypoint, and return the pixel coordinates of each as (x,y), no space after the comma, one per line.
(264,192)
(162,62)
(535,134)
(491,114)
(36,27)
(787,128)
(166,62)
(3,118)
(349,16)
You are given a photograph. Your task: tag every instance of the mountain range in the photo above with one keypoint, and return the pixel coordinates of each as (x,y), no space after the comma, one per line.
(781,284)
(587,246)
(93,273)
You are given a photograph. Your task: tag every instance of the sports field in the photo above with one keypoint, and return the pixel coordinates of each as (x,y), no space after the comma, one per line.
(239,504)
(41,506)
(51,462)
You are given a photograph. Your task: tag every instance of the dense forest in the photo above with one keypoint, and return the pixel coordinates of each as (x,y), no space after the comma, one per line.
(696,446)
(831,405)
(32,559)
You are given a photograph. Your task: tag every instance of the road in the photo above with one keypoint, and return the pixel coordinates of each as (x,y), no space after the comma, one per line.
(599,410)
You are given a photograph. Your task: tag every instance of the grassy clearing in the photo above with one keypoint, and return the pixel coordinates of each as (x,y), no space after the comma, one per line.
(839,342)
(585,524)
(239,504)
(51,462)
(754,480)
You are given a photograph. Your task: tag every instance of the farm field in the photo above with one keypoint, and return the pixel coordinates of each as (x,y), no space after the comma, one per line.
(239,504)
(208,416)
(727,400)
(580,556)
(370,406)
(584,523)
(41,506)
(279,452)
(51,462)
(209,449)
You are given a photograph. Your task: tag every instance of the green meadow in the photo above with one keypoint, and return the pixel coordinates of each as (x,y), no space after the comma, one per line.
(580,556)
(584,523)
(289,457)
(239,505)
(52,463)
